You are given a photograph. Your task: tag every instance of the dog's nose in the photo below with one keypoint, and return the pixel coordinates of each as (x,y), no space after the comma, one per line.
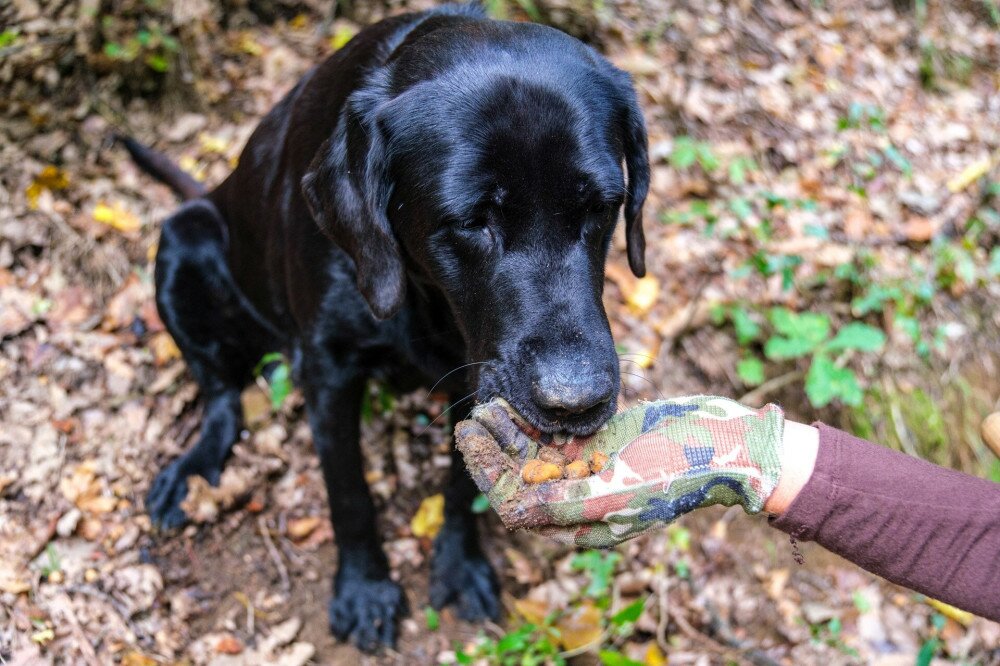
(569,389)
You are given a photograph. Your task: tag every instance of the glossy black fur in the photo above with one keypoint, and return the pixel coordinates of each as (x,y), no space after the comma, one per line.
(441,191)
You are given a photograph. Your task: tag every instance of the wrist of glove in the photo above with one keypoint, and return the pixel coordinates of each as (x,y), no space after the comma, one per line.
(664,459)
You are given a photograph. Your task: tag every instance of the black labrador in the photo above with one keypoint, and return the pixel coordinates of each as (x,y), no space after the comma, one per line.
(441,191)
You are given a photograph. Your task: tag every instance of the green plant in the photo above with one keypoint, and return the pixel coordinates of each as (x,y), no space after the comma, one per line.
(53,562)
(277,373)
(686,152)
(156,49)
(543,639)
(830,633)
(9,36)
(805,336)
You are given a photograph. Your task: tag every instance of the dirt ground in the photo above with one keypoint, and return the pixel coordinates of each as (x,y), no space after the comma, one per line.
(94,397)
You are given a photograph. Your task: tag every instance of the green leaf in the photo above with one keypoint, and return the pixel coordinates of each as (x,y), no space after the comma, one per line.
(907,324)
(600,566)
(9,36)
(157,63)
(630,613)
(750,371)
(480,504)
(994,268)
(826,382)
(280,383)
(612,658)
(927,652)
(858,336)
(808,326)
(706,157)
(684,153)
(433,618)
(861,602)
(741,208)
(899,160)
(747,330)
(779,348)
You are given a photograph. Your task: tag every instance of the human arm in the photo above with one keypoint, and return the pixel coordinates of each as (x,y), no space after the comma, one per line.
(931,529)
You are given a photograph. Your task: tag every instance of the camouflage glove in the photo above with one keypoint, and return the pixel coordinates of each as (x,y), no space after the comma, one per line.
(665,458)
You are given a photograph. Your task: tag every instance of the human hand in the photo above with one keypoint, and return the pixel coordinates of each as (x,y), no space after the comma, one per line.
(666,458)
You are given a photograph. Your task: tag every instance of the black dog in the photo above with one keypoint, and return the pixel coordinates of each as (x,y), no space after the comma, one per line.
(441,191)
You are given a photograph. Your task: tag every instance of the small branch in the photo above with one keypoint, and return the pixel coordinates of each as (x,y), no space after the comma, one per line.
(275,555)
(757,395)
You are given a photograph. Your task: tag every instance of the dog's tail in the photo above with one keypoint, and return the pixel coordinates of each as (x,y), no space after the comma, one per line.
(161,168)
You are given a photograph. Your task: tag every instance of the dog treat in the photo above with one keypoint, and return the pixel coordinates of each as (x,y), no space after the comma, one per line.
(578,469)
(597,461)
(538,471)
(552,455)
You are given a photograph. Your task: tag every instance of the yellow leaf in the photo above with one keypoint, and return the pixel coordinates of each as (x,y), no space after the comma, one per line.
(532,610)
(580,627)
(44,636)
(654,655)
(969,175)
(116,217)
(429,517)
(164,348)
(957,614)
(300,22)
(49,178)
(213,144)
(643,296)
(137,659)
(341,35)
(249,45)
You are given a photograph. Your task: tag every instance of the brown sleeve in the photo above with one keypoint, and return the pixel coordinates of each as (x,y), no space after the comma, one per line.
(931,529)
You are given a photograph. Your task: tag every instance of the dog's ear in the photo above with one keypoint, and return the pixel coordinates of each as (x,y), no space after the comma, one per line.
(635,146)
(347,188)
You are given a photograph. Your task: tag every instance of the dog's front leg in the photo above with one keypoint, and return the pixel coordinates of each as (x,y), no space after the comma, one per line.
(366,604)
(460,573)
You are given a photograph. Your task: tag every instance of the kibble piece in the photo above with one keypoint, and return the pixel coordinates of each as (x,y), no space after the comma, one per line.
(539,471)
(550,454)
(578,469)
(598,461)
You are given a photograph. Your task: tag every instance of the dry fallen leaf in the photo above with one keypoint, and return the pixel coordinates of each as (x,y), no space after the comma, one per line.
(49,178)
(229,645)
(429,518)
(969,175)
(117,217)
(300,528)
(164,348)
(533,610)
(580,627)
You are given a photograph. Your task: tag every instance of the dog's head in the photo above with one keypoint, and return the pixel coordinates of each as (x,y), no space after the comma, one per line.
(490,167)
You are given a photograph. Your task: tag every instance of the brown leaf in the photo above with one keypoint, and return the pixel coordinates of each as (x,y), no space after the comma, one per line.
(229,645)
(920,229)
(580,627)
(300,528)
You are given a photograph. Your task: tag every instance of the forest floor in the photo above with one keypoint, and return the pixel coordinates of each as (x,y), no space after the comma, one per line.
(816,166)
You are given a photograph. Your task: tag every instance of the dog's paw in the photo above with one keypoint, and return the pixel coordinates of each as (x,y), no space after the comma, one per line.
(163,502)
(464,579)
(366,611)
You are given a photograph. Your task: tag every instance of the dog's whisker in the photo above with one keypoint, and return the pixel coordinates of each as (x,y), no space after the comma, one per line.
(446,410)
(645,379)
(454,370)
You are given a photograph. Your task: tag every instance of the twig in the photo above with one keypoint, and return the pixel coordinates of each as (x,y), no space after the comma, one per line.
(275,555)
(83,642)
(758,394)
